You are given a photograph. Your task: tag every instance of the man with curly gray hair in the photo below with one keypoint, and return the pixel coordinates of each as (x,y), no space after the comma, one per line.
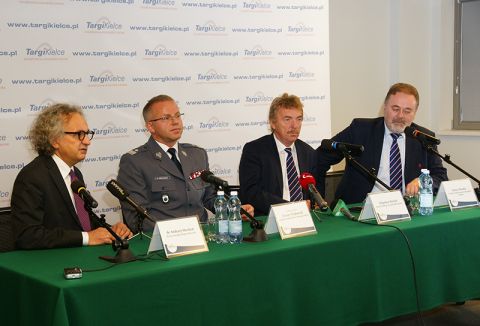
(45,211)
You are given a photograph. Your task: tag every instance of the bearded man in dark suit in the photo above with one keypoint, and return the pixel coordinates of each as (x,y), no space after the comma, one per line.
(378,135)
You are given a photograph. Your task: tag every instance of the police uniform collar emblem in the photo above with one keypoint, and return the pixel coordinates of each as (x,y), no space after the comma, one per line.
(165,199)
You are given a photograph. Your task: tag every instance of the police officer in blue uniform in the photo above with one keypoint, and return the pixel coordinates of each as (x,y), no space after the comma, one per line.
(163,175)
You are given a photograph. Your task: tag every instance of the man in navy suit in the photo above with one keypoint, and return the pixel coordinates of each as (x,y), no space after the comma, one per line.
(400,107)
(263,165)
(44,209)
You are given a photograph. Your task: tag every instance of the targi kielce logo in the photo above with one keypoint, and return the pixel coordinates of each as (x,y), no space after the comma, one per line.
(258,98)
(104,25)
(45,51)
(160,52)
(210,28)
(107,79)
(212,76)
(43,105)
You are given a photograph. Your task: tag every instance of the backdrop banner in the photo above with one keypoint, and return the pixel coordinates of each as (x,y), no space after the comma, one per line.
(222,61)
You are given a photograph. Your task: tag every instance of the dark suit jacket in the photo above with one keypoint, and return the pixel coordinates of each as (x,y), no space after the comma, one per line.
(43,215)
(354,186)
(260,172)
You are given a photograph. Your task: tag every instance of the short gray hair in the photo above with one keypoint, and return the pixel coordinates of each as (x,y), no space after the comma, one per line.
(152,101)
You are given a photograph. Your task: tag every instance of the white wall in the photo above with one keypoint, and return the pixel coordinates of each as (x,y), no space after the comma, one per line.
(375,43)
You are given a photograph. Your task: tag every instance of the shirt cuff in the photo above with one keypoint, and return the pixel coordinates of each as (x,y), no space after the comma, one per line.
(85,238)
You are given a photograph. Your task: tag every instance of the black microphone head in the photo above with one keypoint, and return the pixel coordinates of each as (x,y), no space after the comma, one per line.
(422,136)
(353,149)
(205,175)
(327,144)
(80,189)
(117,190)
(77,186)
(331,145)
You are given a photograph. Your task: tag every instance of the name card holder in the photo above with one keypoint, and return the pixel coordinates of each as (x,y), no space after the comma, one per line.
(456,194)
(178,237)
(385,207)
(290,220)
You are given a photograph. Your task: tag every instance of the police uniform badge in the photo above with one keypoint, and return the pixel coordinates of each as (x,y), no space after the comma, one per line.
(165,199)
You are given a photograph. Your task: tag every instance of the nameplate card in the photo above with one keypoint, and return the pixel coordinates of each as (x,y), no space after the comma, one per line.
(456,194)
(178,237)
(290,220)
(385,207)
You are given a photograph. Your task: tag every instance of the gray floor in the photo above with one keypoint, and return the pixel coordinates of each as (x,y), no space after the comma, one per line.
(467,314)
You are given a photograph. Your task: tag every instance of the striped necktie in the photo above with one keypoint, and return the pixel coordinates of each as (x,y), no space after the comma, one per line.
(292,175)
(80,206)
(396,175)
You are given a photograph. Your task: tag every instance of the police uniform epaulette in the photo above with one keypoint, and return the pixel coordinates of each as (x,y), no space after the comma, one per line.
(190,145)
(133,151)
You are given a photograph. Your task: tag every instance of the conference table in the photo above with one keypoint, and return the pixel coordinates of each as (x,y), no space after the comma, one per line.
(346,274)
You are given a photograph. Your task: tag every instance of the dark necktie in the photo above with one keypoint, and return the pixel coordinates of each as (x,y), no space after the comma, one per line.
(396,174)
(79,205)
(292,175)
(175,160)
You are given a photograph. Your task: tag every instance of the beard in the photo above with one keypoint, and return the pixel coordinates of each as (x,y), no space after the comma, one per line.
(397,126)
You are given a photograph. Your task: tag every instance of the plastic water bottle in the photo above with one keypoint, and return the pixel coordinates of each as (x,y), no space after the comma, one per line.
(235,219)
(212,227)
(221,218)
(426,193)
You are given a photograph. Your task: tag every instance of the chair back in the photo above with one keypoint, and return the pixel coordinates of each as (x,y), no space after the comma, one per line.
(7,242)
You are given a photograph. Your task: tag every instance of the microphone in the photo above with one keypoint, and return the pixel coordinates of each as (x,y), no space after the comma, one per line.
(119,191)
(307,181)
(349,215)
(79,188)
(353,149)
(209,177)
(342,209)
(423,137)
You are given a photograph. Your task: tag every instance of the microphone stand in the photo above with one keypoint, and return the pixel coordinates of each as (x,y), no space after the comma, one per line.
(350,159)
(370,173)
(446,158)
(258,233)
(141,216)
(124,255)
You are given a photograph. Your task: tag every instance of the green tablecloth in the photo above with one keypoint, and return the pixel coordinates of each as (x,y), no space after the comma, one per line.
(346,274)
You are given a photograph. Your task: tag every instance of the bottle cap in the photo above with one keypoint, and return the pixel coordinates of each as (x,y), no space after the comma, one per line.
(426,171)
(220,193)
(233,193)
